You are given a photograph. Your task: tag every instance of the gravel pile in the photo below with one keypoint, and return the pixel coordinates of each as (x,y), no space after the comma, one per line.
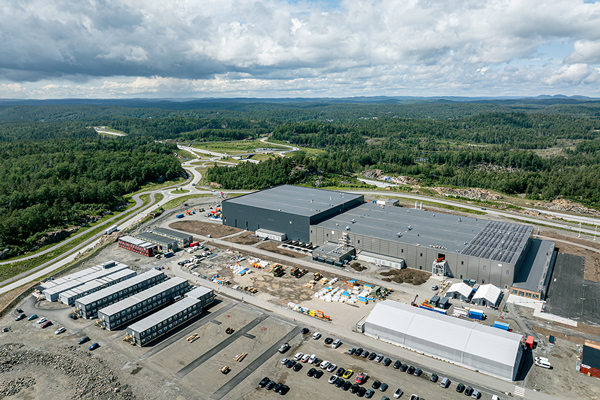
(14,386)
(93,378)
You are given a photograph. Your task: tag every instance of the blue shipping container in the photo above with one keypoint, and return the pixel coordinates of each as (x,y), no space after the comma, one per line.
(179,215)
(475,314)
(501,325)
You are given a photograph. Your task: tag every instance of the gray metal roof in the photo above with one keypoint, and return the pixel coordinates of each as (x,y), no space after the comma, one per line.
(427,228)
(499,241)
(142,296)
(67,278)
(90,298)
(436,332)
(135,241)
(84,279)
(199,292)
(97,283)
(153,237)
(163,314)
(297,200)
(534,265)
(171,233)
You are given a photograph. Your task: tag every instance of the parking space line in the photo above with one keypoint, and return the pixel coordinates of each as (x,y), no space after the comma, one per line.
(174,338)
(253,366)
(206,356)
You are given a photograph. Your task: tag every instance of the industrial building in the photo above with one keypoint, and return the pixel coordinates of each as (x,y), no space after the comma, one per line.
(287,210)
(137,246)
(54,292)
(70,296)
(183,239)
(163,321)
(590,359)
(460,291)
(89,305)
(484,251)
(469,344)
(487,295)
(163,243)
(120,313)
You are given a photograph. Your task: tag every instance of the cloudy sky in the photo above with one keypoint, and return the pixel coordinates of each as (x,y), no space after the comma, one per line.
(304,48)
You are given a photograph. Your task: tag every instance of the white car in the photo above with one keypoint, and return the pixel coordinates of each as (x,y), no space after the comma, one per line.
(305,358)
(331,367)
(337,343)
(284,360)
(60,330)
(316,335)
(298,356)
(42,320)
(333,379)
(325,364)
(312,358)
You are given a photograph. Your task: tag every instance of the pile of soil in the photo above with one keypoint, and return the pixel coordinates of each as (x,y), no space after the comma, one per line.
(406,275)
(204,228)
(357,267)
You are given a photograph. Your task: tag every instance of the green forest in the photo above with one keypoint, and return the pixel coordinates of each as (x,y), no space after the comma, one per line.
(56,171)
(49,184)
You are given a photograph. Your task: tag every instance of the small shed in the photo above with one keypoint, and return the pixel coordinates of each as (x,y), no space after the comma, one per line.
(488,295)
(444,303)
(435,300)
(460,291)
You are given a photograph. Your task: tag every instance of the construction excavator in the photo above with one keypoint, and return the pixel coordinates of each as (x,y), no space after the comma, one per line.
(414,302)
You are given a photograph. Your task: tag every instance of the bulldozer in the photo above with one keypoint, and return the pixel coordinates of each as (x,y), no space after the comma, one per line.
(278,271)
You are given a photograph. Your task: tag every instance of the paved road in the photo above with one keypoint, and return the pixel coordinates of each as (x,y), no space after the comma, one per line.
(260,360)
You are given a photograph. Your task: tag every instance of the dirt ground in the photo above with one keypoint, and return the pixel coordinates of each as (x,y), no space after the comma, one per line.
(406,275)
(357,267)
(273,247)
(548,332)
(204,228)
(245,238)
(592,258)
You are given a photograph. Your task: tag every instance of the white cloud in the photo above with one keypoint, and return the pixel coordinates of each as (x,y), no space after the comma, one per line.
(271,47)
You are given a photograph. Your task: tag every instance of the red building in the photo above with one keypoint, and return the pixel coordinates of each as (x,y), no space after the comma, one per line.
(137,246)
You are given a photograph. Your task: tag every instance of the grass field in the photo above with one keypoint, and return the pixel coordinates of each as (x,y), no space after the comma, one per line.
(153,186)
(186,154)
(180,200)
(234,147)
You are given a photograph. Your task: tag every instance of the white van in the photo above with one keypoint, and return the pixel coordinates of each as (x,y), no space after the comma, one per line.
(543,364)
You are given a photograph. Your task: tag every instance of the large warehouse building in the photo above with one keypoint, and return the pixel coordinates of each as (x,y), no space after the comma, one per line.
(489,350)
(458,247)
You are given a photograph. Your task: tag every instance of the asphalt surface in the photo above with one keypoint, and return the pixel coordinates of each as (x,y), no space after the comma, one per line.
(210,353)
(568,289)
(243,374)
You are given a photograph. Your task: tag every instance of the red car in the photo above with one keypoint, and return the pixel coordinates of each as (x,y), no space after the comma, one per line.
(46,324)
(362,378)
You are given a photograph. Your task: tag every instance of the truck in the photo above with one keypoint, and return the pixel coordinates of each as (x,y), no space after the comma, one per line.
(179,216)
(169,254)
(111,229)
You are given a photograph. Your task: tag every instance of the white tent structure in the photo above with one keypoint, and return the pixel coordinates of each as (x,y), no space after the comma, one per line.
(466,343)
(487,295)
(460,291)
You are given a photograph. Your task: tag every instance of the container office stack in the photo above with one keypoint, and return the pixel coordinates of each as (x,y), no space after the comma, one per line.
(144,302)
(70,296)
(90,304)
(161,322)
(54,292)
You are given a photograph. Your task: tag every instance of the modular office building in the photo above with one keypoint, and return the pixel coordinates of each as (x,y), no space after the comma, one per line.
(75,275)
(161,322)
(164,243)
(53,293)
(70,296)
(89,305)
(183,239)
(144,302)
(489,350)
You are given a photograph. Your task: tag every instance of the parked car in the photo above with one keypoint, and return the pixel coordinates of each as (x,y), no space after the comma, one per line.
(336,343)
(372,356)
(376,384)
(60,330)
(384,386)
(319,374)
(317,361)
(297,367)
(331,367)
(347,374)
(414,397)
(397,364)
(270,385)
(305,331)
(305,358)
(476,394)
(284,347)
(387,362)
(277,387)
(410,370)
(346,386)
(42,320)
(398,393)
(46,324)
(445,383)
(469,391)
(354,388)
(351,351)
(32,317)
(94,346)
(264,382)
(460,388)
(332,379)
(312,358)
(290,363)
(358,351)
(403,367)
(364,354)
(284,360)
(339,382)
(284,389)
(418,372)
(434,287)
(362,378)
(328,340)
(298,356)
(311,372)
(20,317)
(324,364)
(434,378)
(379,358)
(316,335)
(361,391)
(369,393)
